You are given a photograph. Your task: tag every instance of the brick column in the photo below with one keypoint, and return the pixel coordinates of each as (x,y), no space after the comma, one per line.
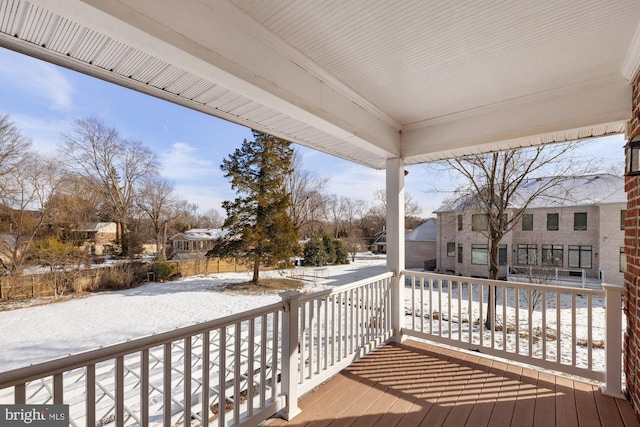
(632,275)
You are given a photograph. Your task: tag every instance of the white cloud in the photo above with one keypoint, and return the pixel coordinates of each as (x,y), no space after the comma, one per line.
(37,79)
(185,162)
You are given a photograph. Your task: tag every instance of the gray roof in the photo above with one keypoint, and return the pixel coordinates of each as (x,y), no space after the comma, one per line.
(425,232)
(91,226)
(197,234)
(574,191)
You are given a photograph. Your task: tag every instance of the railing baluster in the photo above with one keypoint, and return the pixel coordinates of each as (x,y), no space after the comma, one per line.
(263,360)
(590,332)
(470,310)
(558,328)
(204,391)
(302,347)
(144,386)
(187,381)
(119,392)
(449,313)
(326,324)
(460,311)
(414,311)
(222,375)
(250,362)
(90,394)
(573,330)
(58,389)
(516,292)
(504,318)
(530,320)
(237,375)
(481,306)
(166,389)
(20,394)
(544,325)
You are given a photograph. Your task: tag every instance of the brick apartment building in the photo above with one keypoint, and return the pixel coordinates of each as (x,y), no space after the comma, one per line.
(576,227)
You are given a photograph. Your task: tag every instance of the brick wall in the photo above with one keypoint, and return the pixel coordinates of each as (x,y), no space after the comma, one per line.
(632,276)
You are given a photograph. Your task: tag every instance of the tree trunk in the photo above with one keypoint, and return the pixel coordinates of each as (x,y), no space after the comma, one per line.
(490,322)
(256,270)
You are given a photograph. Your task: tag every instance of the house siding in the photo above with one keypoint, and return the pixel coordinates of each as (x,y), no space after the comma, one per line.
(603,235)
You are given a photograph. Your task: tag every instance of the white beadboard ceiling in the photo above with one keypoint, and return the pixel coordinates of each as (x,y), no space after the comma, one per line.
(366,80)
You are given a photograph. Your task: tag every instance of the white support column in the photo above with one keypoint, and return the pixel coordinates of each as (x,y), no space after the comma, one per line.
(613,342)
(395,242)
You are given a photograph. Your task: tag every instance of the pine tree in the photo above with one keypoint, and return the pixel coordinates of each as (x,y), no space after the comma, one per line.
(258,224)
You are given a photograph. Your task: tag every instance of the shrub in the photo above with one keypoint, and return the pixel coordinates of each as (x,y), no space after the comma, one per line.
(117,277)
(163,271)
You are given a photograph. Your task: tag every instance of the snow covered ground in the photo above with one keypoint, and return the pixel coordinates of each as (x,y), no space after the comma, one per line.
(40,333)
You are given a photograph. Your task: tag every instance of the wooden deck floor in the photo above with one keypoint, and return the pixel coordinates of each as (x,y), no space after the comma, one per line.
(416,384)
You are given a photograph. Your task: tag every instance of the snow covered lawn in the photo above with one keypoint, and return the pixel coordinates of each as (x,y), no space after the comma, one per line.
(37,334)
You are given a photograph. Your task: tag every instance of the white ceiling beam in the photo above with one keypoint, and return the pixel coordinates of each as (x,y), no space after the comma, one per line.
(587,104)
(217,41)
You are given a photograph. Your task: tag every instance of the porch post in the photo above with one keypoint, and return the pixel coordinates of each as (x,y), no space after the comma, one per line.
(395,242)
(613,341)
(290,354)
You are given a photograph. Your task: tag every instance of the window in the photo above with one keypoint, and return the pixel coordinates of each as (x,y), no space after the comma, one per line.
(502,255)
(460,253)
(479,222)
(451,248)
(623,261)
(623,213)
(527,254)
(552,221)
(479,254)
(527,222)
(580,256)
(459,222)
(552,255)
(580,221)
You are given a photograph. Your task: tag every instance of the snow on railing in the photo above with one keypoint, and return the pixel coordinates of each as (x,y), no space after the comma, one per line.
(235,370)
(557,328)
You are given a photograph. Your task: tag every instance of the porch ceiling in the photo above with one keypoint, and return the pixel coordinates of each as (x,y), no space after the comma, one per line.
(366,80)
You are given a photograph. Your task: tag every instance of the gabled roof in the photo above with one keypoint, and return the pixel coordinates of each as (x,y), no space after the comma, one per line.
(573,191)
(425,232)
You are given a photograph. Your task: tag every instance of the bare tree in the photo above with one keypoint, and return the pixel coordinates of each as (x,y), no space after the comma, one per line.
(352,210)
(14,148)
(25,208)
(210,219)
(110,163)
(492,184)
(333,213)
(158,202)
(306,189)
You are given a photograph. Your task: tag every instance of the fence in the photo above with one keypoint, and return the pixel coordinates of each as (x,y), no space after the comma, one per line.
(240,369)
(21,287)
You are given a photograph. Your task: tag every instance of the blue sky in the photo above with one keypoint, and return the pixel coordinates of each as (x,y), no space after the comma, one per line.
(43,100)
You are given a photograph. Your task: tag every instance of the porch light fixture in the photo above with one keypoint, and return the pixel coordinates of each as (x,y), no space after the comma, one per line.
(632,154)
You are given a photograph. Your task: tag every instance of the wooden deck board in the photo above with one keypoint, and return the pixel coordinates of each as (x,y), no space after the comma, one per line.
(414,384)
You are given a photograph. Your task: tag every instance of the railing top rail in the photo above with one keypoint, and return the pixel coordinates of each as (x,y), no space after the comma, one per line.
(520,285)
(63,364)
(342,288)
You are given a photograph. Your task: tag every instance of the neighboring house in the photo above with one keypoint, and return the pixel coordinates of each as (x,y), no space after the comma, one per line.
(195,242)
(98,236)
(576,228)
(379,243)
(421,246)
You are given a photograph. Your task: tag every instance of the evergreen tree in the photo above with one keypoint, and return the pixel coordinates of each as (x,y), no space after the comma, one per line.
(342,256)
(258,224)
(314,253)
(329,249)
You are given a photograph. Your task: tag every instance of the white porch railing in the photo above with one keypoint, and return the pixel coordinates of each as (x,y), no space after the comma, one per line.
(238,370)
(546,326)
